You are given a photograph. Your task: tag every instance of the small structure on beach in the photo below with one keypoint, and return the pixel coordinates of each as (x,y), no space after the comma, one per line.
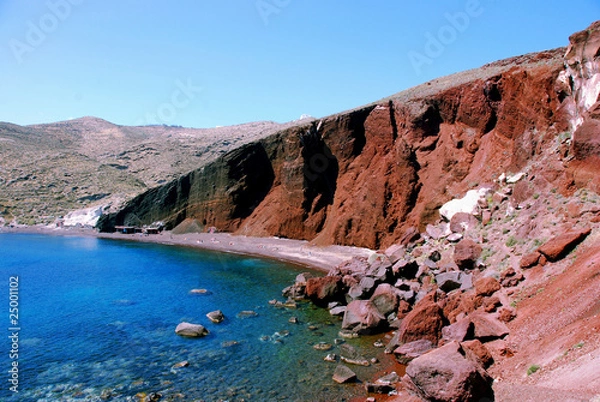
(126,229)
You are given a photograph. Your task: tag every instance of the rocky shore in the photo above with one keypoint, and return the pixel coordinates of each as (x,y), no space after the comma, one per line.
(442,299)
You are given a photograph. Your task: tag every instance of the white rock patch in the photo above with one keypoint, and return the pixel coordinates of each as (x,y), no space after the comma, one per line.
(469,203)
(84,217)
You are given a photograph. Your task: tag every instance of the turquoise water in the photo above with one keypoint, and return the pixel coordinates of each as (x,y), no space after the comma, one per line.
(97,320)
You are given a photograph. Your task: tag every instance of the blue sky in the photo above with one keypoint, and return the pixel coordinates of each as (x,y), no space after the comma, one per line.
(200,63)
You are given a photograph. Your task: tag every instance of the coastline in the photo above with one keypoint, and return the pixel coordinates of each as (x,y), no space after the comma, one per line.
(297,252)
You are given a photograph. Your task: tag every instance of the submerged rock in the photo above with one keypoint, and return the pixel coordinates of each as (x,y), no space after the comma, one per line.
(343,374)
(247,314)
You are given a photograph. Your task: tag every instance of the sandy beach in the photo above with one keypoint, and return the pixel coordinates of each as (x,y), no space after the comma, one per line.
(298,252)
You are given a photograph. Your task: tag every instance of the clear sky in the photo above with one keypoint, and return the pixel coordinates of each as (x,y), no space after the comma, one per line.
(201,63)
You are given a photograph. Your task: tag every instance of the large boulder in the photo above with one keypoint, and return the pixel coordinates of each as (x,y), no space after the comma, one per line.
(558,247)
(463,222)
(343,374)
(363,317)
(385,298)
(466,253)
(487,327)
(191,330)
(486,286)
(411,350)
(425,321)
(446,375)
(449,281)
(324,290)
(459,331)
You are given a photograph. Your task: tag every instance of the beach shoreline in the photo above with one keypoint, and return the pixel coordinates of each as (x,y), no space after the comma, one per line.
(296,252)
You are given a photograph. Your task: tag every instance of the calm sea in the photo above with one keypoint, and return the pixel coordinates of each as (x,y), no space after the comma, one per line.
(96,322)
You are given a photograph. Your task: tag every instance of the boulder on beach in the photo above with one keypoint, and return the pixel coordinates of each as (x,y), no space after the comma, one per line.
(446,374)
(324,289)
(191,330)
(425,321)
(362,316)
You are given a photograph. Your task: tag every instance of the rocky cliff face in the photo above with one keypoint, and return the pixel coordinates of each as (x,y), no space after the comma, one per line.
(365,176)
(579,84)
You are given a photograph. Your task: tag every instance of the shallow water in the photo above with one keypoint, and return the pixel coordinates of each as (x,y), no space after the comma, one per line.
(97,320)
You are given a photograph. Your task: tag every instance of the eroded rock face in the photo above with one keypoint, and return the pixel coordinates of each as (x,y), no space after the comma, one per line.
(581,79)
(365,177)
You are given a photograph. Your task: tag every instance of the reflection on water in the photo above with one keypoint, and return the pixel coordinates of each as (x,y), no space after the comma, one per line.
(98,320)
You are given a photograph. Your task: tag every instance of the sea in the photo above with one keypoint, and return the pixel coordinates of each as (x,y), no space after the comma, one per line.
(88,319)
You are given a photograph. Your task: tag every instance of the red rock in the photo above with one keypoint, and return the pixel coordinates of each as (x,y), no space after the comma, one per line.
(362,317)
(411,350)
(530,260)
(486,217)
(425,321)
(487,327)
(490,304)
(446,375)
(462,222)
(507,314)
(410,235)
(486,286)
(477,351)
(586,141)
(459,331)
(509,277)
(324,289)
(558,247)
(466,253)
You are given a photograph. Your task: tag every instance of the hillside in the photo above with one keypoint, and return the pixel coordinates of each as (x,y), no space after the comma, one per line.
(48,170)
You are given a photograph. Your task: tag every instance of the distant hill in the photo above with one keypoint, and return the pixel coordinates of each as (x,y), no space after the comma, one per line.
(47,170)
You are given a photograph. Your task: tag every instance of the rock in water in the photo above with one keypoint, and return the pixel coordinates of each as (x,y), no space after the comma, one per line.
(216,316)
(191,330)
(343,375)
